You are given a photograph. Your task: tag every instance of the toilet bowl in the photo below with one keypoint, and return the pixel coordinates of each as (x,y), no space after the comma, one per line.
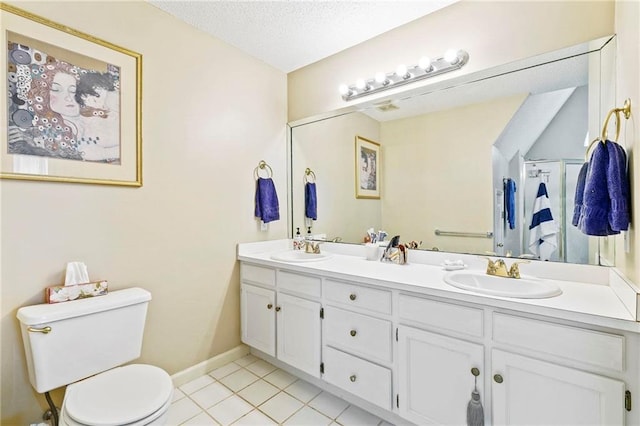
(132,395)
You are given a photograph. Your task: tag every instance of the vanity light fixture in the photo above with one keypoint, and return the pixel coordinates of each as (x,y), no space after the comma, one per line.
(452,60)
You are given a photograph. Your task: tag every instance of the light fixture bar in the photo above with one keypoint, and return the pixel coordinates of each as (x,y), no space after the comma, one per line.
(453,60)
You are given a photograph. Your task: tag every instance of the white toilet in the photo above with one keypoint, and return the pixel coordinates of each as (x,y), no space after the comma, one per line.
(83,344)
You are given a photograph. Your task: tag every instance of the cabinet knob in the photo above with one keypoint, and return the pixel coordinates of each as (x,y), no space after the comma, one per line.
(270,305)
(352,296)
(353,333)
(475,372)
(498,378)
(278,308)
(352,377)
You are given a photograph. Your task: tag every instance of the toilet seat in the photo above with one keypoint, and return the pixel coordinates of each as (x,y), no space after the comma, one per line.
(135,394)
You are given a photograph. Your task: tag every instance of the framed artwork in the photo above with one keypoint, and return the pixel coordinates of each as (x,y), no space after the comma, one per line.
(368,168)
(73,105)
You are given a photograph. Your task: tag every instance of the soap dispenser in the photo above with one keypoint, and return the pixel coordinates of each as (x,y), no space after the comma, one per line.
(309,236)
(298,241)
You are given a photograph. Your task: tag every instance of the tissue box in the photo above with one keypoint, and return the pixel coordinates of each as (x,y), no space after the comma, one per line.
(65,293)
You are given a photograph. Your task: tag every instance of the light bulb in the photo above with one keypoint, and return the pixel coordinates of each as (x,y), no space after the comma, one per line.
(381,78)
(425,63)
(361,84)
(451,56)
(343,89)
(401,71)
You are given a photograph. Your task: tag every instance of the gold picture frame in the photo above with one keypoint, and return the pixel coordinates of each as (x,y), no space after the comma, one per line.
(368,168)
(74,109)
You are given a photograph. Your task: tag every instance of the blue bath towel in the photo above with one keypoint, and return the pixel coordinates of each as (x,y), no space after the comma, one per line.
(310,201)
(606,202)
(267,207)
(594,215)
(543,239)
(510,196)
(577,201)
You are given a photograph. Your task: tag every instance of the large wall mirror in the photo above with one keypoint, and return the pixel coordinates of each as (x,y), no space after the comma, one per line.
(451,155)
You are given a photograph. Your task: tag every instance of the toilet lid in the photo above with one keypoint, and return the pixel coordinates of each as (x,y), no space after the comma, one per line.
(119,396)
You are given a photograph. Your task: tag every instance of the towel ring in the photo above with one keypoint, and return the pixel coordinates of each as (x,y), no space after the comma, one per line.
(625,110)
(591,145)
(309,173)
(262,165)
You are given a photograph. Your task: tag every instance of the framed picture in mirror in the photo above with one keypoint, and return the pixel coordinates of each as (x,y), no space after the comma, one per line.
(368,168)
(74,104)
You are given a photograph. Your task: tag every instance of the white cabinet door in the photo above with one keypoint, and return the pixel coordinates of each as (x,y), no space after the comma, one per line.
(298,324)
(258,320)
(435,379)
(530,392)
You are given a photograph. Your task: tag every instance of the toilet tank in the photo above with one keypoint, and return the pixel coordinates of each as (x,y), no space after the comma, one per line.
(86,337)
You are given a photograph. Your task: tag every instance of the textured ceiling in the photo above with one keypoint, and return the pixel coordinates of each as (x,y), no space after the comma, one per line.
(291,34)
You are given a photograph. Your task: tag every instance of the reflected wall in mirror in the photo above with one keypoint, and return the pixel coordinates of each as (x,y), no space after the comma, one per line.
(452,157)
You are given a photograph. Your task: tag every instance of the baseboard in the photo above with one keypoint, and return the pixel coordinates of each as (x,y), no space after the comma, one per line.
(191,373)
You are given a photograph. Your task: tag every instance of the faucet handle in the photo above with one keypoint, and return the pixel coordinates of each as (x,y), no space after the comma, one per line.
(491,266)
(514,270)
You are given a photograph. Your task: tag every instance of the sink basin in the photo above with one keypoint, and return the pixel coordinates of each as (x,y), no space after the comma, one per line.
(299,256)
(525,288)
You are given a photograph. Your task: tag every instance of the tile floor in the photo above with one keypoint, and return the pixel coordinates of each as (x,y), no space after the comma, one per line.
(250,391)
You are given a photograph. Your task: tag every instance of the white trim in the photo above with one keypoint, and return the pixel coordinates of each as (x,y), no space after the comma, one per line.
(191,373)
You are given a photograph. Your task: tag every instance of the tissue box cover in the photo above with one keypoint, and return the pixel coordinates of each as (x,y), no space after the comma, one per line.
(64,293)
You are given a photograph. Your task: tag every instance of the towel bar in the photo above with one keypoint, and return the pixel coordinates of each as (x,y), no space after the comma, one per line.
(488,234)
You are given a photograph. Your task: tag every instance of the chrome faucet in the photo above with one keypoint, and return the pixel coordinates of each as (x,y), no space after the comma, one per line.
(498,268)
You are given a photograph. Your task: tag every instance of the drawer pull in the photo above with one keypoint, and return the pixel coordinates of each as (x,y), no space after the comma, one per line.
(270,305)
(498,378)
(352,296)
(278,308)
(353,333)
(352,377)
(44,330)
(475,372)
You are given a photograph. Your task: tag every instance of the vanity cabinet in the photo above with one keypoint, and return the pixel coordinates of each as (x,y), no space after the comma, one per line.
(358,341)
(417,358)
(436,376)
(528,391)
(258,319)
(439,364)
(298,333)
(562,370)
(280,317)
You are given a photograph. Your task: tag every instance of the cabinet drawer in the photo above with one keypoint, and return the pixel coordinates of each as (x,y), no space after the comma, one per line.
(258,274)
(575,344)
(348,294)
(358,334)
(361,378)
(302,284)
(441,315)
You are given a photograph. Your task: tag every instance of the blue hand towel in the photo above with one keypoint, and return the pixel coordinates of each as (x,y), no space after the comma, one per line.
(510,195)
(310,201)
(619,187)
(582,176)
(596,203)
(267,207)
(543,240)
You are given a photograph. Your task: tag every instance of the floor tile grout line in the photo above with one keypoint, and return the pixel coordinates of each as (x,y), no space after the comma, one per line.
(257,407)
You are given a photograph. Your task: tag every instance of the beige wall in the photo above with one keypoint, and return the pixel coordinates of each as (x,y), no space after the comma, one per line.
(493,32)
(627,17)
(176,235)
(328,148)
(428,160)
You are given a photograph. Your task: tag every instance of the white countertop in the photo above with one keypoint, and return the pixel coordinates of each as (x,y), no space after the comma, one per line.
(592,303)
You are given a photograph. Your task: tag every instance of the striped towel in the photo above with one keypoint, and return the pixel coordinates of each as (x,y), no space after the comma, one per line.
(543,232)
